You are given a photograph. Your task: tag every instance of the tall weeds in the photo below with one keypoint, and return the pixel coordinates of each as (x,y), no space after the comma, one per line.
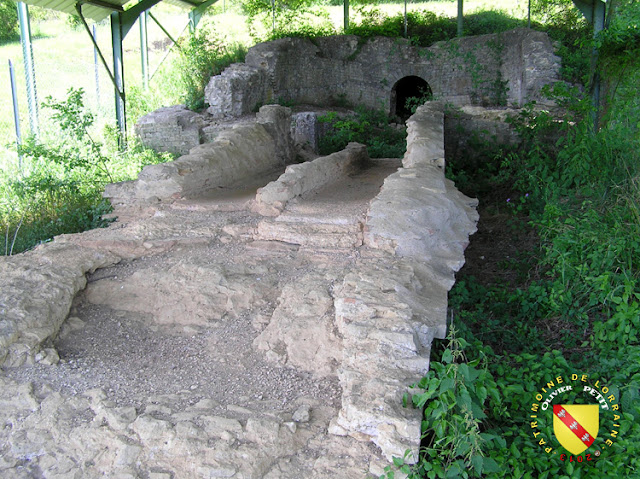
(59,189)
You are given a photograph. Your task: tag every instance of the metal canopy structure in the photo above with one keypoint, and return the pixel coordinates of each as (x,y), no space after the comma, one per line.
(98,10)
(122,20)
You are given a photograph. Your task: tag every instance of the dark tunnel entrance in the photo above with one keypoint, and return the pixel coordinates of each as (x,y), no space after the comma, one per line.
(411,88)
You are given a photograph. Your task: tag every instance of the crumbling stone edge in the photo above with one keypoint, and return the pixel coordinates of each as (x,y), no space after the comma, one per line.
(392,305)
(297,180)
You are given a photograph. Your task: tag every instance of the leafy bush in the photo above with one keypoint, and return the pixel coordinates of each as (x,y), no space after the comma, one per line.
(413,102)
(424,28)
(370,127)
(8,20)
(571,304)
(454,395)
(60,188)
(291,18)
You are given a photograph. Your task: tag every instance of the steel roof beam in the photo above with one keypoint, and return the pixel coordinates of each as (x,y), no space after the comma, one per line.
(196,14)
(190,3)
(128,17)
(101,4)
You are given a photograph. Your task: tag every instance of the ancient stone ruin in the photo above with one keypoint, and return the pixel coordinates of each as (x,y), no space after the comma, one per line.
(507,69)
(246,317)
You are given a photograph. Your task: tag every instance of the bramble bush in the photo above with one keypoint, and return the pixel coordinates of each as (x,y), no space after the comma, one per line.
(8,20)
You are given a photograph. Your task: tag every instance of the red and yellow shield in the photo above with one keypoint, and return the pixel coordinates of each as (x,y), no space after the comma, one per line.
(576,425)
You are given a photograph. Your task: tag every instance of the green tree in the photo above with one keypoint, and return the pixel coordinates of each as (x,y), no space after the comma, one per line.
(8,19)
(287,18)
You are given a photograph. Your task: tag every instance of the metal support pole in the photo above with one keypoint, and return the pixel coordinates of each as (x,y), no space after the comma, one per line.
(460,17)
(16,112)
(95,46)
(529,15)
(96,71)
(144,49)
(29,68)
(118,74)
(346,15)
(405,19)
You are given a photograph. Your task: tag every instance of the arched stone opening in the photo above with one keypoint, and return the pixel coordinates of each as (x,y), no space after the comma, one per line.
(412,88)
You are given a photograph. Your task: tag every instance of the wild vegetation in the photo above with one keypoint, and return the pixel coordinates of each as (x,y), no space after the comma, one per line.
(366,126)
(57,185)
(562,297)
(8,19)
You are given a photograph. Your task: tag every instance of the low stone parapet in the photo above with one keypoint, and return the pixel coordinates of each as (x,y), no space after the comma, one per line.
(393,303)
(246,150)
(301,179)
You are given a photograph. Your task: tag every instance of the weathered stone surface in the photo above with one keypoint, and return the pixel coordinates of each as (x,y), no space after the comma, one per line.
(37,289)
(339,69)
(425,138)
(361,315)
(277,121)
(319,235)
(304,129)
(389,335)
(174,129)
(58,437)
(206,293)
(302,179)
(436,219)
(247,150)
(301,332)
(238,90)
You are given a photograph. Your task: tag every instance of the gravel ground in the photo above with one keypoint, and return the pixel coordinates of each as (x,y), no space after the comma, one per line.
(133,358)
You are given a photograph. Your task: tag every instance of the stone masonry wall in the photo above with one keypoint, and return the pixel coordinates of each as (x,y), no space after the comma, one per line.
(300,179)
(414,239)
(174,129)
(507,68)
(246,150)
(346,69)
(383,306)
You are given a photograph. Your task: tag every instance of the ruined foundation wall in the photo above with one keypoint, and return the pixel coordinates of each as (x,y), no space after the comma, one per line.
(303,178)
(508,68)
(416,231)
(511,66)
(173,129)
(246,150)
(369,320)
